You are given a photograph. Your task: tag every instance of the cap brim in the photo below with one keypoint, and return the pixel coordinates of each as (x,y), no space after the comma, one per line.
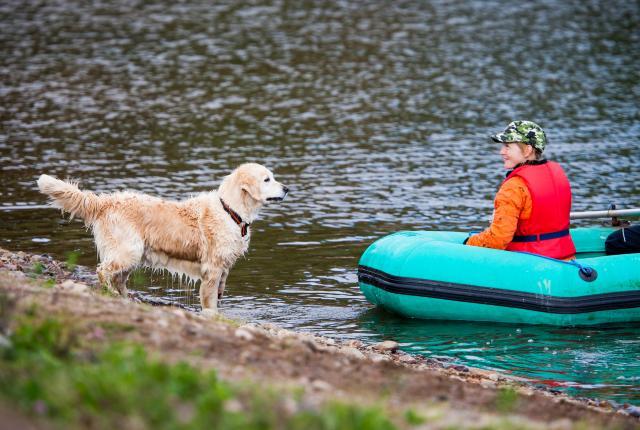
(496,138)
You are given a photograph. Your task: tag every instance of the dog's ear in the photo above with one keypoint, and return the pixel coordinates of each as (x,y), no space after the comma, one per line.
(249,185)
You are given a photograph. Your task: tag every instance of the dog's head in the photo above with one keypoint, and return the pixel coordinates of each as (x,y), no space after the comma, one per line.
(255,183)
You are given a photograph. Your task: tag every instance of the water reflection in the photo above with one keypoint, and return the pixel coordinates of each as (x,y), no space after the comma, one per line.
(600,362)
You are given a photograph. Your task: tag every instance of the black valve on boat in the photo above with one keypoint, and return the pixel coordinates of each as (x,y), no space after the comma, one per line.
(587,274)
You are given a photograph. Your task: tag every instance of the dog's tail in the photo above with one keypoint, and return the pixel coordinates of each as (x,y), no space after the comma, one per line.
(67,196)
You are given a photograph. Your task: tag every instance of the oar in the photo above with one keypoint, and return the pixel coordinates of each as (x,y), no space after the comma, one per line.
(611,213)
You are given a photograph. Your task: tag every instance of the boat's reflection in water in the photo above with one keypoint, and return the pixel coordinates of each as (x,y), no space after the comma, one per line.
(582,361)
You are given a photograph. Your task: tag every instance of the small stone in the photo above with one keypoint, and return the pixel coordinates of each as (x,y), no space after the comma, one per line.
(289,405)
(281,334)
(4,342)
(288,342)
(354,343)
(561,424)
(178,312)
(254,329)
(406,358)
(386,346)
(460,368)
(97,334)
(379,358)
(156,338)
(352,352)
(614,404)
(634,411)
(319,385)
(494,377)
(244,334)
(314,346)
(74,287)
(190,330)
(184,412)
(244,357)
(40,407)
(233,405)
(209,313)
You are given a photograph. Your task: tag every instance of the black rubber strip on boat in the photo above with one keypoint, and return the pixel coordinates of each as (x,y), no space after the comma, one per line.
(498,296)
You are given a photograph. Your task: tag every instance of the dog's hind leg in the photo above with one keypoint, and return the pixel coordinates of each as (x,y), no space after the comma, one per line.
(120,250)
(120,282)
(223,283)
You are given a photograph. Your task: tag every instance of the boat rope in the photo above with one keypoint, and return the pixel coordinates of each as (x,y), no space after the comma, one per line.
(585,272)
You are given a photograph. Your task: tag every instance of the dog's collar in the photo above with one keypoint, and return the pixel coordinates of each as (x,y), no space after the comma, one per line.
(244,226)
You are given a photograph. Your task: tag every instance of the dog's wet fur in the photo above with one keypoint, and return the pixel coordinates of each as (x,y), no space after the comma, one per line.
(195,237)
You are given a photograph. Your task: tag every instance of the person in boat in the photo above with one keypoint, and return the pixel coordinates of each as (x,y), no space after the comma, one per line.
(532,206)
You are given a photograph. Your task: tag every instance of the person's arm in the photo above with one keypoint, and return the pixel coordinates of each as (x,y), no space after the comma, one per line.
(509,205)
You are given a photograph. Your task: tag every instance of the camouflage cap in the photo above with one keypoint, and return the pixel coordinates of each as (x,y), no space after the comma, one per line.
(523,131)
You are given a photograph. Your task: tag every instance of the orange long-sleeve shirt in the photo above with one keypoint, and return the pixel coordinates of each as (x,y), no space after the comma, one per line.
(513,202)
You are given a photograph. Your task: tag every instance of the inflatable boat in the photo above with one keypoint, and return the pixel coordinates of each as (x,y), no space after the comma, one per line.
(433,275)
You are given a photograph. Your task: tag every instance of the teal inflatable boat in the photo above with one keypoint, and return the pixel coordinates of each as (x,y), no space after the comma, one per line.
(432,275)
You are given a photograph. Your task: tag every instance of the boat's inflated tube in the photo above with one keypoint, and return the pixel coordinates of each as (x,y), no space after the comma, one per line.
(432,275)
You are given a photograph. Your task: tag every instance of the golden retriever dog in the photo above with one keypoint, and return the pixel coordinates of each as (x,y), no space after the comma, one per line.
(200,237)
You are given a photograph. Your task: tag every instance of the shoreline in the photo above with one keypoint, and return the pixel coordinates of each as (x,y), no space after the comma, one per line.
(324,368)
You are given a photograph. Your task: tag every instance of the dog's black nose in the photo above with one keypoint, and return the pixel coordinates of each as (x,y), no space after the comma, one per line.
(285,189)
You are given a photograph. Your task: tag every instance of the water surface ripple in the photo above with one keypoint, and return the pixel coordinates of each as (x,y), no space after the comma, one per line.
(376,114)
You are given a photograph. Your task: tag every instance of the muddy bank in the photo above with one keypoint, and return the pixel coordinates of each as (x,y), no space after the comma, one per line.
(325,369)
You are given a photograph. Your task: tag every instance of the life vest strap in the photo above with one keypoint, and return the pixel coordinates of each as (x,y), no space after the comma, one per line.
(539,237)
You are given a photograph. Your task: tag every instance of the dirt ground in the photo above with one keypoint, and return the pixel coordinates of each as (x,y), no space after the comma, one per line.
(324,368)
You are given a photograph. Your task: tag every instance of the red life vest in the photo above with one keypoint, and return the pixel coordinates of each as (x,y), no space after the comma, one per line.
(546,232)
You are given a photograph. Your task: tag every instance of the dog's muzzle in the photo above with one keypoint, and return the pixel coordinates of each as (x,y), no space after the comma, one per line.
(279,199)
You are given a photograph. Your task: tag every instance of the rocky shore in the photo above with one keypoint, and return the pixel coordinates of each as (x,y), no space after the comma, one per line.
(323,369)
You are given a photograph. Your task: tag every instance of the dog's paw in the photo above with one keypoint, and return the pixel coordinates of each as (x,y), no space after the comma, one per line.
(209,313)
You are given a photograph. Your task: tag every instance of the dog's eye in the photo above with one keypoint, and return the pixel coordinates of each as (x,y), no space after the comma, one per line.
(267,180)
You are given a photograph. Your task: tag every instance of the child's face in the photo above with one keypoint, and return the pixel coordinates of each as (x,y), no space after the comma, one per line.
(512,155)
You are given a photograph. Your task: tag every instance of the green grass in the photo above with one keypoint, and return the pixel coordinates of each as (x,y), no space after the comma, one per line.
(412,417)
(506,399)
(72,260)
(37,268)
(105,291)
(120,385)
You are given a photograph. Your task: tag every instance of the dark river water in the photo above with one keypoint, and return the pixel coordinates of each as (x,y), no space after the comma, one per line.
(376,115)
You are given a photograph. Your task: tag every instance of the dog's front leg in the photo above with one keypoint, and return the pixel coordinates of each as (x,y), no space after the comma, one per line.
(223,283)
(209,290)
